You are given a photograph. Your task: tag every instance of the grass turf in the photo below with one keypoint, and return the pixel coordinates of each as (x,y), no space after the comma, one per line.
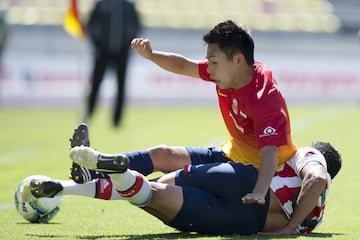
(35,141)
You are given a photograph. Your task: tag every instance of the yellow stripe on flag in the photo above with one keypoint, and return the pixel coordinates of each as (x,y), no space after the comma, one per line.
(72,22)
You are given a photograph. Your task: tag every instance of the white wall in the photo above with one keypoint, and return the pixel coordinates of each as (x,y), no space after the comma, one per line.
(43,66)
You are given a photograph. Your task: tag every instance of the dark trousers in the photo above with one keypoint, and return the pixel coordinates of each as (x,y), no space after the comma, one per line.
(119,61)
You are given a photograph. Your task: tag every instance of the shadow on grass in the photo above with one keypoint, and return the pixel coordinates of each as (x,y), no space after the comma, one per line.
(180,235)
(43,223)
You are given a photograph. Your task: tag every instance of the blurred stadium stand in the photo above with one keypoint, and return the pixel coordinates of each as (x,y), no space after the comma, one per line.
(348,11)
(262,15)
(310,44)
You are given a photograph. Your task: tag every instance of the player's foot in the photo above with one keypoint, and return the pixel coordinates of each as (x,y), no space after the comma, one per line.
(81,174)
(80,136)
(44,188)
(78,173)
(92,159)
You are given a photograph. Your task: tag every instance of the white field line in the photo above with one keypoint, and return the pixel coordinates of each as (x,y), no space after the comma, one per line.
(318,117)
(16,156)
(11,158)
(5,207)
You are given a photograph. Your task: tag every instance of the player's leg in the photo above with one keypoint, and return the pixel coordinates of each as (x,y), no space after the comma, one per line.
(100,63)
(184,208)
(160,158)
(101,188)
(129,185)
(52,188)
(239,179)
(121,61)
(166,201)
(161,200)
(164,159)
(167,159)
(212,199)
(196,210)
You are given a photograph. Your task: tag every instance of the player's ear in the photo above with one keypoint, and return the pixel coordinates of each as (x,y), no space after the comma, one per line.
(239,58)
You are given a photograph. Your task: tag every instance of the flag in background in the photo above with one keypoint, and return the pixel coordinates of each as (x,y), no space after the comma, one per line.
(72,23)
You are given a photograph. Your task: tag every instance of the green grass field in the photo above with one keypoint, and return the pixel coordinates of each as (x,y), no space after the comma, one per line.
(35,141)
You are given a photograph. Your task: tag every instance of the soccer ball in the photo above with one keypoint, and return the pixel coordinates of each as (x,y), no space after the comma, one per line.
(39,210)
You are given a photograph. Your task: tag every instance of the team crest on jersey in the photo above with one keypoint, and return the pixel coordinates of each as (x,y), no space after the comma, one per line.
(235,106)
(268,131)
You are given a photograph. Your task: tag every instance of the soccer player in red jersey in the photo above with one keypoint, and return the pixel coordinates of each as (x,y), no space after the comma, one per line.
(253,109)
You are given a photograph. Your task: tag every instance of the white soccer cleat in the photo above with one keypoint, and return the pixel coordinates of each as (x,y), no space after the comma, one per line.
(85,156)
(92,159)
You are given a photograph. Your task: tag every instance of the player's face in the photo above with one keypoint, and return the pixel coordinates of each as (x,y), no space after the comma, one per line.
(222,70)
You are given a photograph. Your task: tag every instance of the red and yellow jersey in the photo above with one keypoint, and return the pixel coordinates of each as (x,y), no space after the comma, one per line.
(256,116)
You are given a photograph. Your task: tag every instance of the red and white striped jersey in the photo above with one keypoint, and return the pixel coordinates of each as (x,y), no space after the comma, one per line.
(286,185)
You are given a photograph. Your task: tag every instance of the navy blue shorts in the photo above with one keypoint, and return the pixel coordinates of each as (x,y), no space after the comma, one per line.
(206,155)
(212,191)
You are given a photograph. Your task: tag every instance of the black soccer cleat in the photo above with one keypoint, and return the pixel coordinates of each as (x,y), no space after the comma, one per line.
(45,188)
(80,136)
(92,159)
(78,173)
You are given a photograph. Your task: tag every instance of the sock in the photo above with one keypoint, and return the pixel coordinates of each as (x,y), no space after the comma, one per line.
(141,162)
(105,190)
(100,188)
(72,188)
(133,186)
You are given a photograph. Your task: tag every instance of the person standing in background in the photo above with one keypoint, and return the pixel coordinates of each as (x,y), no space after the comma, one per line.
(2,29)
(111,27)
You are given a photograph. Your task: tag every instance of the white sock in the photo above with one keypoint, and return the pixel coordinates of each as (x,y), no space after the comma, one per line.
(89,189)
(72,188)
(132,186)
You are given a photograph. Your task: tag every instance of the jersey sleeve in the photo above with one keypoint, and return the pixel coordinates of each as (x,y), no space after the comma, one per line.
(271,122)
(309,155)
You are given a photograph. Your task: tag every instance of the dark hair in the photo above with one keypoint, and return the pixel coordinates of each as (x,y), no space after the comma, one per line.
(232,39)
(332,157)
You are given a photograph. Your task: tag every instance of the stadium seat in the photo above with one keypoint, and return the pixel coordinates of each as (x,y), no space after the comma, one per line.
(264,15)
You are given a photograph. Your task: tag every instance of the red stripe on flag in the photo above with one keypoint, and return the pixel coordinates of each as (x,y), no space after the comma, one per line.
(72,23)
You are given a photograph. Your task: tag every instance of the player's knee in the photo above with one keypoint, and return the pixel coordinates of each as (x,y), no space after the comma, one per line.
(168,178)
(167,159)
(160,151)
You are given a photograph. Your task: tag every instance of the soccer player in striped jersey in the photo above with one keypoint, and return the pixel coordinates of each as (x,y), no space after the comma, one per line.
(208,198)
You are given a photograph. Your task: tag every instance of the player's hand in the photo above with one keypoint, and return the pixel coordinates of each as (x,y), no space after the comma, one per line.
(257,198)
(142,46)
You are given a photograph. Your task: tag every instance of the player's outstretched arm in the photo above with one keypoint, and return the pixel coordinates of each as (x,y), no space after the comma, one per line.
(171,62)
